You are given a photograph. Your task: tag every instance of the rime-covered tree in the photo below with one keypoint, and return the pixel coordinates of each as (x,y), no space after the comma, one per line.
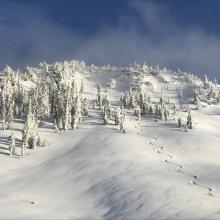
(206,82)
(179,122)
(7,98)
(99,96)
(189,120)
(122,119)
(195,98)
(85,107)
(76,112)
(166,114)
(82,89)
(156,111)
(29,134)
(11,140)
(117,115)
(150,111)
(106,110)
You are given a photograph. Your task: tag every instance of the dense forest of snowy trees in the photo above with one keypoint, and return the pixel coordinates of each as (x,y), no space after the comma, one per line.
(55,94)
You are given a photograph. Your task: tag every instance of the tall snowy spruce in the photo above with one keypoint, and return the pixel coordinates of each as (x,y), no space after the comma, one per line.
(122,119)
(179,122)
(29,134)
(106,105)
(189,120)
(7,98)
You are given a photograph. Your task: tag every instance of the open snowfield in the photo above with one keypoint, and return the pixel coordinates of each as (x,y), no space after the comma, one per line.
(155,170)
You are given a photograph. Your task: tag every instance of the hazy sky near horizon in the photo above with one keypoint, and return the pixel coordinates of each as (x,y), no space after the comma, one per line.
(170,33)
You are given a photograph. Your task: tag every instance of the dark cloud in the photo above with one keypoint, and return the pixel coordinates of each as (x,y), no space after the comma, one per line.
(27,36)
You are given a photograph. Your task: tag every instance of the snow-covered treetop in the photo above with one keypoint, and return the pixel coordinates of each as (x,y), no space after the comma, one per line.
(68,69)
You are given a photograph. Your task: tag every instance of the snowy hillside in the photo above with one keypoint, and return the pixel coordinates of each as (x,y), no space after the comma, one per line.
(79,141)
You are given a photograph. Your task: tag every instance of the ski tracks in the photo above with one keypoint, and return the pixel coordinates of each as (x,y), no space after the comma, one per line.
(178,166)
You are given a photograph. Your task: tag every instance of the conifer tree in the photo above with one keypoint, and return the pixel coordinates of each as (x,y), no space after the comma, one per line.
(189,120)
(122,120)
(117,115)
(165,114)
(195,98)
(160,113)
(29,134)
(99,98)
(85,107)
(11,140)
(7,99)
(19,99)
(106,110)
(156,111)
(76,112)
(132,102)
(179,122)
(161,100)
(141,102)
(151,110)
(205,82)
(138,113)
(82,87)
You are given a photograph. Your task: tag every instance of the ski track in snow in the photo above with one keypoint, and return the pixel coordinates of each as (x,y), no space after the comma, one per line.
(179,168)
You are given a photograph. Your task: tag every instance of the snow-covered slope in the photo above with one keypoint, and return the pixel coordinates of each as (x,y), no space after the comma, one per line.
(153,171)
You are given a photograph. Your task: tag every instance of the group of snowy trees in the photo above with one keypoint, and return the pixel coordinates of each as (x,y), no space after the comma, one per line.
(16,103)
(143,69)
(116,113)
(140,102)
(188,124)
(206,93)
(13,97)
(142,106)
(30,136)
(56,95)
(59,95)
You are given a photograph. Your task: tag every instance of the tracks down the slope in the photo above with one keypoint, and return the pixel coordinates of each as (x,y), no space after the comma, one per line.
(179,167)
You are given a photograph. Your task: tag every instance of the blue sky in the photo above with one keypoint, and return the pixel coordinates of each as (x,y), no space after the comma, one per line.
(172,33)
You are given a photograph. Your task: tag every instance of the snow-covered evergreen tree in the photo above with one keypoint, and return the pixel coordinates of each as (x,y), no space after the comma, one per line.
(150,111)
(11,140)
(117,115)
(106,110)
(179,122)
(189,120)
(7,98)
(122,119)
(206,82)
(82,89)
(29,134)
(76,112)
(166,114)
(84,107)
(195,98)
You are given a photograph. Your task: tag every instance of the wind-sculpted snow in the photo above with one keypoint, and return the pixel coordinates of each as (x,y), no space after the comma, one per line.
(146,168)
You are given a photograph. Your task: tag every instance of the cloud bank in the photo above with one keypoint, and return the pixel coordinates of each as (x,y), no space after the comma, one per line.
(27,36)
